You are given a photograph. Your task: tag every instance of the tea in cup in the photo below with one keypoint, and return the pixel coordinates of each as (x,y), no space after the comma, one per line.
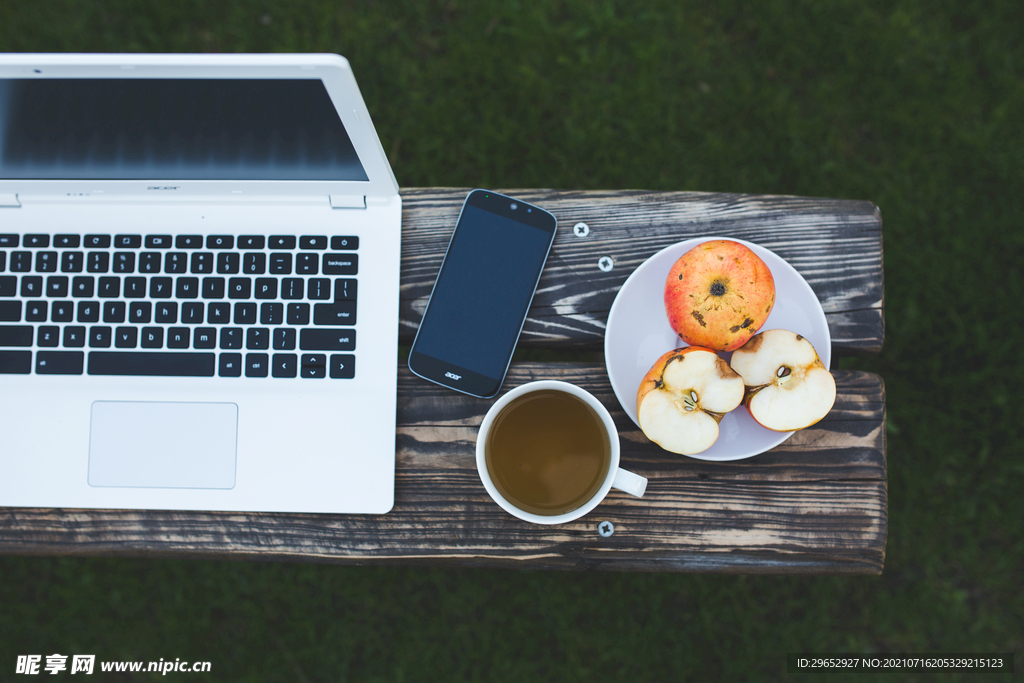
(548,452)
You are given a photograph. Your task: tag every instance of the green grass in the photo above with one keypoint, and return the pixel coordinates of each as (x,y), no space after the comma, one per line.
(915,106)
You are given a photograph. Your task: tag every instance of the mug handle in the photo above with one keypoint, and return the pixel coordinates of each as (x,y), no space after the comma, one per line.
(633,484)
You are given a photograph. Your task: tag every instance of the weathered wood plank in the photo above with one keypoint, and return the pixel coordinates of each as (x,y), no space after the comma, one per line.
(816,504)
(835,244)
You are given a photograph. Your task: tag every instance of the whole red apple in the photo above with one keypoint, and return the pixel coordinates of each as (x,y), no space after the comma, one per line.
(718,294)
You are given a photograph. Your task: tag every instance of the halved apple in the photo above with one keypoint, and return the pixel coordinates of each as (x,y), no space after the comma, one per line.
(788,387)
(684,396)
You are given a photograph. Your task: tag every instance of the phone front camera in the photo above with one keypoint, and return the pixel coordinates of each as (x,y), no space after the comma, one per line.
(514,206)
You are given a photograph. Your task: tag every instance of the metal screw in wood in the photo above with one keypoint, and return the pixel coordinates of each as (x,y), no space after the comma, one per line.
(606,529)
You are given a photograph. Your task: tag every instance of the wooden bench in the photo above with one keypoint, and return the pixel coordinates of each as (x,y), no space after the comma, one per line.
(816,504)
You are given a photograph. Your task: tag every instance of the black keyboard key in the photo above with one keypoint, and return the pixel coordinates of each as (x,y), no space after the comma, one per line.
(62,312)
(202,263)
(257,364)
(48,336)
(158,241)
(83,286)
(32,285)
(271,314)
(213,288)
(152,337)
(97,241)
(126,338)
(16,335)
(327,340)
(307,264)
(57,286)
(176,262)
(319,289)
(344,289)
(266,288)
(285,365)
(72,262)
(314,365)
(99,337)
(281,264)
(177,337)
(188,242)
(110,288)
(166,312)
(150,261)
(59,362)
(10,311)
(3,260)
(140,312)
(281,242)
(293,288)
(8,285)
(205,338)
(239,288)
(17,362)
(127,241)
(160,288)
(257,338)
(343,366)
(187,288)
(124,262)
(67,241)
(230,365)
(35,311)
(312,242)
(227,263)
(97,262)
(344,243)
(149,364)
(231,338)
(21,262)
(46,262)
(9,241)
(341,264)
(220,242)
(113,311)
(74,337)
(284,339)
(88,311)
(192,313)
(339,313)
(298,314)
(36,241)
(251,242)
(254,264)
(245,313)
(219,314)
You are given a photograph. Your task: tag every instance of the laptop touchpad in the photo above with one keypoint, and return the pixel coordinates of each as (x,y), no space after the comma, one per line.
(163,445)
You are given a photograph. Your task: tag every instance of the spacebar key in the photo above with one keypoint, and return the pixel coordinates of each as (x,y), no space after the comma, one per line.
(161,364)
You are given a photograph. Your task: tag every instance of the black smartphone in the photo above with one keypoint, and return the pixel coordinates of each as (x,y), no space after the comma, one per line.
(482,293)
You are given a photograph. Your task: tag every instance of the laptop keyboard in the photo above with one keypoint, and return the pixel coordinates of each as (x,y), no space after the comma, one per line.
(282,306)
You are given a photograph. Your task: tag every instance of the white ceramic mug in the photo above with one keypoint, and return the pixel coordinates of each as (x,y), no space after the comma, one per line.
(616,477)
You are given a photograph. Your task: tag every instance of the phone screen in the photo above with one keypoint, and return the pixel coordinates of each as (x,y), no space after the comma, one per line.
(482,293)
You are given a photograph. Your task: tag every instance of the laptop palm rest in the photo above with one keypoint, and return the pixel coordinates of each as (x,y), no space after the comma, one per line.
(163,445)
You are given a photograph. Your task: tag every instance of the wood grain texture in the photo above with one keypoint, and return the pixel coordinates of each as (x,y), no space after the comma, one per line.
(835,244)
(816,504)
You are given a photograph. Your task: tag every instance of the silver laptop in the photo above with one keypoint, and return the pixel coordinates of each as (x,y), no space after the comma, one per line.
(199,274)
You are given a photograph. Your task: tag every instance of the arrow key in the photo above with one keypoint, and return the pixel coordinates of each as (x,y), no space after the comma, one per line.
(343,366)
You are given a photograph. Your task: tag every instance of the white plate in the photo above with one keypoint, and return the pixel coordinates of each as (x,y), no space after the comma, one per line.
(638,333)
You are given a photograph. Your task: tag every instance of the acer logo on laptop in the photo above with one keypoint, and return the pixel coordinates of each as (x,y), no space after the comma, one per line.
(452,375)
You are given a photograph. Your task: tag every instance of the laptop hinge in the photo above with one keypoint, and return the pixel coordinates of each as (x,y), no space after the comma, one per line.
(9,200)
(347,201)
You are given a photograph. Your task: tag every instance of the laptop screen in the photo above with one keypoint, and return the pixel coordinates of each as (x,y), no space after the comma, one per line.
(173,129)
